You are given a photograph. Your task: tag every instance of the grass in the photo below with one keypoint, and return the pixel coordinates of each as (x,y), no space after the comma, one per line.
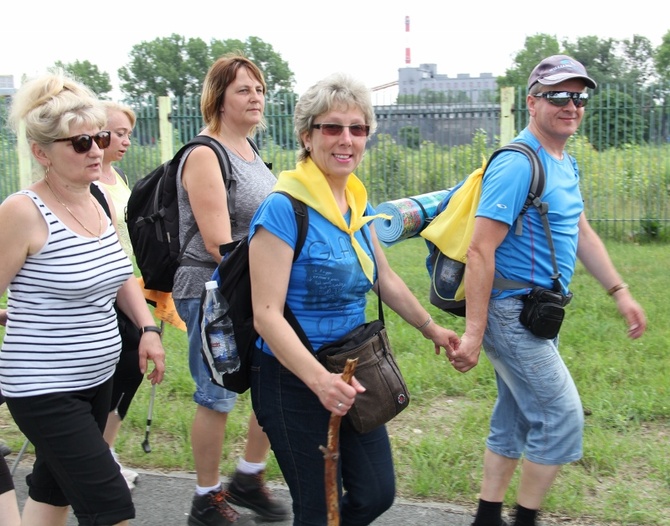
(624,475)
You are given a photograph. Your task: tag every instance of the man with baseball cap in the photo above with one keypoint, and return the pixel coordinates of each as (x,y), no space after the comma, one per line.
(538,416)
(559,68)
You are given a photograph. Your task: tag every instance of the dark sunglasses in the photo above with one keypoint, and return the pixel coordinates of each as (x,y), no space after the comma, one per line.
(561,98)
(83,143)
(357,130)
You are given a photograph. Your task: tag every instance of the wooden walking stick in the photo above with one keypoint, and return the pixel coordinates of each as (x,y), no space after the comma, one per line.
(331,454)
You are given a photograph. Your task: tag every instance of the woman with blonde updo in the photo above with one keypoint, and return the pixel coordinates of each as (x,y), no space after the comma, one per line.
(63,267)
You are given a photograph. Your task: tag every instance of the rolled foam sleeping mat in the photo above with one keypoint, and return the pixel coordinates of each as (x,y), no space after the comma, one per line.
(409,215)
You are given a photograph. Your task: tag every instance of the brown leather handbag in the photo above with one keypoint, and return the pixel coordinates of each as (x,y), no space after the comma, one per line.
(386,393)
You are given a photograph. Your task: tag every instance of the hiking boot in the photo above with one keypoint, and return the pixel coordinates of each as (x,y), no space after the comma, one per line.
(502,523)
(212,509)
(250,491)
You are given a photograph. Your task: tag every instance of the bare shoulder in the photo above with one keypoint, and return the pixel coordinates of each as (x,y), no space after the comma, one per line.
(21,222)
(18,208)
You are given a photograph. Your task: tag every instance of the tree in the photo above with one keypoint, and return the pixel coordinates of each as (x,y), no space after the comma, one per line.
(662,58)
(175,66)
(166,66)
(599,57)
(638,57)
(537,47)
(278,76)
(662,63)
(89,75)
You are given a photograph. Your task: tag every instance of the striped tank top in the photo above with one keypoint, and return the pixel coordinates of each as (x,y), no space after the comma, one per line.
(62,333)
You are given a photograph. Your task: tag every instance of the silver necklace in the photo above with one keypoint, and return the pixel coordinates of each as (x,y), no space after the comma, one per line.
(239,153)
(99,234)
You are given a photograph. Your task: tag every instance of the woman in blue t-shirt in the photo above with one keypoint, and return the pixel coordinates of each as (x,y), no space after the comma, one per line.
(293,394)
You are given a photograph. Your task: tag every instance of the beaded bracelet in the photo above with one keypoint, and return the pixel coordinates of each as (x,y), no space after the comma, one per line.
(617,288)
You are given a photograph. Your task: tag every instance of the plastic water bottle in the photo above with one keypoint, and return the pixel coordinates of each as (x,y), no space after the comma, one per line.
(220,336)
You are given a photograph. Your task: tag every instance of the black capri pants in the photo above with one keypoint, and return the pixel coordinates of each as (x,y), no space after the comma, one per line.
(6,482)
(73,464)
(127,375)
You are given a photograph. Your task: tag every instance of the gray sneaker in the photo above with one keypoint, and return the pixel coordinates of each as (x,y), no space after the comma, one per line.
(213,509)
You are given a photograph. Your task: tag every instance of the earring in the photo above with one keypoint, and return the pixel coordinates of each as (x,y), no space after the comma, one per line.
(46,171)
(308,149)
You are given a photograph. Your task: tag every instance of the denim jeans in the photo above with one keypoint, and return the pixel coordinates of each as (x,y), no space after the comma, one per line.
(297,424)
(538,412)
(207,393)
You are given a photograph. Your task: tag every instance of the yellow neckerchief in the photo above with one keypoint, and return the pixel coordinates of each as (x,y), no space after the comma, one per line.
(308,184)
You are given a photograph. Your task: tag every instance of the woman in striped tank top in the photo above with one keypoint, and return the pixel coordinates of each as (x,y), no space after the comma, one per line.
(63,268)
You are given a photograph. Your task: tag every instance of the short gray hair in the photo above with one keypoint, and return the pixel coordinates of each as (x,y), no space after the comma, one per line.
(338,90)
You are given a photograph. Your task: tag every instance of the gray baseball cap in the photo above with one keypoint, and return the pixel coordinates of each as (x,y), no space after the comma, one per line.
(558,68)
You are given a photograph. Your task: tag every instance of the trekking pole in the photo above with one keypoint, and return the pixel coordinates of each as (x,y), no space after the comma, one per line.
(145,444)
(19,455)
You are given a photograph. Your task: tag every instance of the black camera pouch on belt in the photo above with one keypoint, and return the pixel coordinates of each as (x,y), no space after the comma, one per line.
(543,312)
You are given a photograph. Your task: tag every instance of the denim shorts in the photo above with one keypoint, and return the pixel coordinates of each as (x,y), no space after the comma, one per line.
(538,412)
(207,393)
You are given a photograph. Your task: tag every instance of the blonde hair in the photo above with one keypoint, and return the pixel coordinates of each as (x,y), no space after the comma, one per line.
(51,105)
(111,106)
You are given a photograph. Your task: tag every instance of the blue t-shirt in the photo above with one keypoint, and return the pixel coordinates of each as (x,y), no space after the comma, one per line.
(327,287)
(526,257)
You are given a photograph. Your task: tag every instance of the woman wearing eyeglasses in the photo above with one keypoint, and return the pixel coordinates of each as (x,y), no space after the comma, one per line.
(64,267)
(341,260)
(127,376)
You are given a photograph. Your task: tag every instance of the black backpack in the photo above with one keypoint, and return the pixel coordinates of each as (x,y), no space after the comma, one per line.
(232,274)
(152,215)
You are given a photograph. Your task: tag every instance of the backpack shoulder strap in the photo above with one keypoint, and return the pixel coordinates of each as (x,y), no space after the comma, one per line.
(226,168)
(538,178)
(535,191)
(99,195)
(258,152)
(302,221)
(121,173)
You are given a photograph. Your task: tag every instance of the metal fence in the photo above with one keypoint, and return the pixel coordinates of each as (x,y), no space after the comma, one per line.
(623,150)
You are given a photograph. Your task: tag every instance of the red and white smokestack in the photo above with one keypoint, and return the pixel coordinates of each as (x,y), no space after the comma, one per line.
(408,54)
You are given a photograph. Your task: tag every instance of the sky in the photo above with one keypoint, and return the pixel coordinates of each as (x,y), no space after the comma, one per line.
(362,37)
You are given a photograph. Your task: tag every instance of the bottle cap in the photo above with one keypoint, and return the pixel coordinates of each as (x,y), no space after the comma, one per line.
(210,285)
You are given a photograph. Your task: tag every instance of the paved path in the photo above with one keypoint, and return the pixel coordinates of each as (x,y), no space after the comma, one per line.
(165,500)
